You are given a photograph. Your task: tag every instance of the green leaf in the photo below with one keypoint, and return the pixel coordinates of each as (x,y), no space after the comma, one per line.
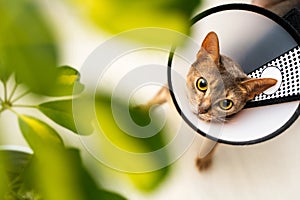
(5,72)
(61,112)
(117,16)
(4,177)
(65,82)
(12,165)
(127,143)
(54,173)
(38,133)
(59,174)
(27,46)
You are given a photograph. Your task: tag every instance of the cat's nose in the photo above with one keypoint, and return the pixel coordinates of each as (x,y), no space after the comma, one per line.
(203,110)
(204,107)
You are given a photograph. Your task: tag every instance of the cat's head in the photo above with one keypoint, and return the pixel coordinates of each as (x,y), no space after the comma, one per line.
(217,86)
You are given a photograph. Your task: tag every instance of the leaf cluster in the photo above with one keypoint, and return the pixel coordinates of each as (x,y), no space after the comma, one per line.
(28,176)
(116,16)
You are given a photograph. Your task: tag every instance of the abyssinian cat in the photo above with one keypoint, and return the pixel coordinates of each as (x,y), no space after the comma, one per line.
(217,94)
(217,86)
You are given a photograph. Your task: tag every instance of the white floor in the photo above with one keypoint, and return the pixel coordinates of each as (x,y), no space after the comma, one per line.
(265,171)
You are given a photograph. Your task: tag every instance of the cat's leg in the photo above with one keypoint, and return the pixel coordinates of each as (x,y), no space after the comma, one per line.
(161,97)
(206,153)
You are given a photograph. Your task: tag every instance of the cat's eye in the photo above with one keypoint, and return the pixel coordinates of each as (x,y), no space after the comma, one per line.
(202,84)
(225,104)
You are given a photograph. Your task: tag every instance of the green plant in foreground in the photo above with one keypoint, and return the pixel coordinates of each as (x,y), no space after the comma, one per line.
(116,16)
(28,65)
(58,110)
(55,168)
(53,172)
(66,177)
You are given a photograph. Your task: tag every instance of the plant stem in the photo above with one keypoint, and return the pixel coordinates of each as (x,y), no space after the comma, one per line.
(13,92)
(5,91)
(24,106)
(20,96)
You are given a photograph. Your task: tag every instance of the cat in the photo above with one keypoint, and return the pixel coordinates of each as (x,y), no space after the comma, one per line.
(217,86)
(200,83)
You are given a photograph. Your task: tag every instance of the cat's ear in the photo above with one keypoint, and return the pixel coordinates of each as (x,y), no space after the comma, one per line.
(211,45)
(255,86)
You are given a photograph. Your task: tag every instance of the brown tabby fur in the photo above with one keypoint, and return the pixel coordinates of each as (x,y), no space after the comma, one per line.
(225,79)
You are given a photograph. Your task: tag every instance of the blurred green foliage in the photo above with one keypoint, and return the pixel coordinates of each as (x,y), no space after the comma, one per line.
(116,16)
(27,46)
(64,82)
(4,183)
(60,112)
(116,135)
(38,134)
(53,174)
(146,181)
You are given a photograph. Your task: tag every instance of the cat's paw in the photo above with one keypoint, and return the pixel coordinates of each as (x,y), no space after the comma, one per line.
(203,163)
